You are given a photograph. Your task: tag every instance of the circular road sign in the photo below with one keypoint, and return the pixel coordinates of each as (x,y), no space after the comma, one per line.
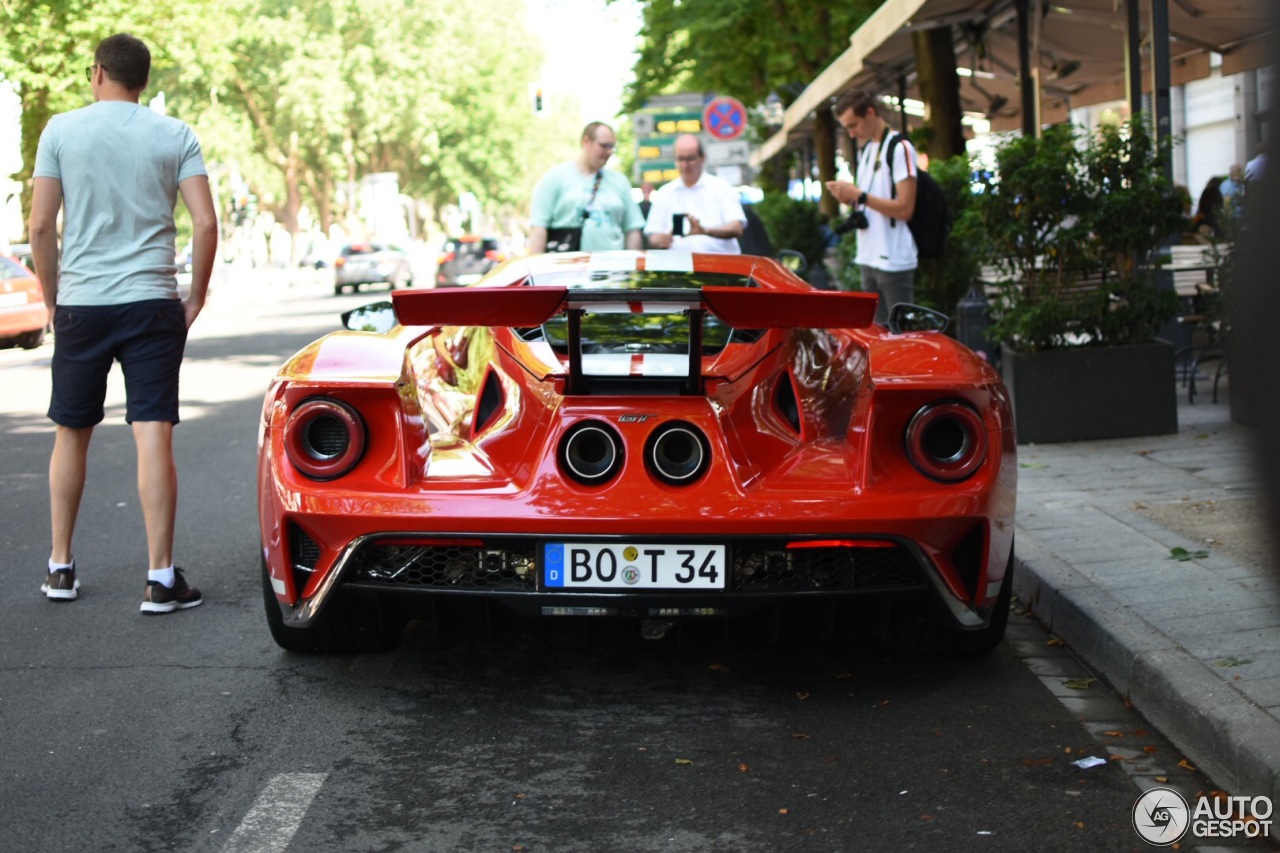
(725,118)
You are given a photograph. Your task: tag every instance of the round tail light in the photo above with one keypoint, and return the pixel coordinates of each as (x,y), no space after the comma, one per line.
(324,438)
(947,441)
(591,453)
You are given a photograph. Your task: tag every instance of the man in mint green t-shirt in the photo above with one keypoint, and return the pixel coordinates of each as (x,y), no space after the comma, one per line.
(116,169)
(583,194)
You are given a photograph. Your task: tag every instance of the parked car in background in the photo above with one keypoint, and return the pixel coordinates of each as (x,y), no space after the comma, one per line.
(21,253)
(371,263)
(652,437)
(467,259)
(23,316)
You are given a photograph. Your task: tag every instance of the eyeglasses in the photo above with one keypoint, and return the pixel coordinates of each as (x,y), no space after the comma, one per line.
(88,72)
(607,146)
(688,158)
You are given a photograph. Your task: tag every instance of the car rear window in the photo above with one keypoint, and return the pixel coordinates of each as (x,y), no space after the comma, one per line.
(472,248)
(9,268)
(363,249)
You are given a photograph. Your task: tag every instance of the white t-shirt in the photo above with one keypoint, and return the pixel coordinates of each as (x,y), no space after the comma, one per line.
(712,200)
(887,244)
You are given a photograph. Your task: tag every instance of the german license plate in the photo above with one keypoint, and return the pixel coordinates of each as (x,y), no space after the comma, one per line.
(640,566)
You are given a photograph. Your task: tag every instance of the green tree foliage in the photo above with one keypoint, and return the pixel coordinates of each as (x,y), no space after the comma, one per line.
(744,48)
(46,47)
(304,98)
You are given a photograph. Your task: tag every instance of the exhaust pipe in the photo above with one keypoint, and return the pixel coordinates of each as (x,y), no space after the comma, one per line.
(591,453)
(677,453)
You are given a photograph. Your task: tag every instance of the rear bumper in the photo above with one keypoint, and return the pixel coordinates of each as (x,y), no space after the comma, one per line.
(506,569)
(23,319)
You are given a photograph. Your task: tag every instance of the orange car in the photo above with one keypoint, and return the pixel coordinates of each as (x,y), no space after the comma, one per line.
(23,316)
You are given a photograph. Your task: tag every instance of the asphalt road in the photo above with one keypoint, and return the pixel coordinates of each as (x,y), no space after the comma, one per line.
(193,731)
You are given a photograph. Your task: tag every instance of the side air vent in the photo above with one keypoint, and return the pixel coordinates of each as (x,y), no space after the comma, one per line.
(488,403)
(591,453)
(785,401)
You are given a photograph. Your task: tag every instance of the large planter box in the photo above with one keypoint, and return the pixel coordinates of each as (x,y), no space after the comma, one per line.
(1084,393)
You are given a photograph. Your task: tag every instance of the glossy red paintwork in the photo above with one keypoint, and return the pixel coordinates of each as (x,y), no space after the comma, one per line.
(839,469)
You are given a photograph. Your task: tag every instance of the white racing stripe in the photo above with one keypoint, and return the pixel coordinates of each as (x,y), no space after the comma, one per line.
(276,815)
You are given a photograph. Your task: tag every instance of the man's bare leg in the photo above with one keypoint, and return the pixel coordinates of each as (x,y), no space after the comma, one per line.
(66,486)
(157,488)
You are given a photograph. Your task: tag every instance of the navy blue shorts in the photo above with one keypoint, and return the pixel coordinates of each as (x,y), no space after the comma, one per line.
(147,338)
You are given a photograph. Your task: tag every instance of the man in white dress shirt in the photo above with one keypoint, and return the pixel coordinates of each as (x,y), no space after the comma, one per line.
(698,212)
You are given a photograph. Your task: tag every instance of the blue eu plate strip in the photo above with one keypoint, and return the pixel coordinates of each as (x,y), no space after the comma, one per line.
(553,565)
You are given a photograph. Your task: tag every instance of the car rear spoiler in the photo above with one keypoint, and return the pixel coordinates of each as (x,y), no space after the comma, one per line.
(740,307)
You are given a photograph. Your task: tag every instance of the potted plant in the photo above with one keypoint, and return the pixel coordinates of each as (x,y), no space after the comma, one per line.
(1073,223)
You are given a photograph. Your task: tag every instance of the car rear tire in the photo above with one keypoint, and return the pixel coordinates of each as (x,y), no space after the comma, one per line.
(345,626)
(31,340)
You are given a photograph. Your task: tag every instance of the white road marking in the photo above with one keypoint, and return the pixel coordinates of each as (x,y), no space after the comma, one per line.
(276,815)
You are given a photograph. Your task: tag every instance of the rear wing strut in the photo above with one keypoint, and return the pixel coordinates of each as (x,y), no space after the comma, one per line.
(739,307)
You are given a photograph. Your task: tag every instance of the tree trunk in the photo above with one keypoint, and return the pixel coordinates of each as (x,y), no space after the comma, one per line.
(940,91)
(824,147)
(35,115)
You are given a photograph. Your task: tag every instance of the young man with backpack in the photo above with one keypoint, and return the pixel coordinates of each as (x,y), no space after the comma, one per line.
(883,200)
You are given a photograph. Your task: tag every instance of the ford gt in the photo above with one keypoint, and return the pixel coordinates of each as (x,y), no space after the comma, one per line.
(646,436)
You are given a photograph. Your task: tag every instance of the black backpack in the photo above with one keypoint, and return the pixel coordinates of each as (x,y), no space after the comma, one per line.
(931,223)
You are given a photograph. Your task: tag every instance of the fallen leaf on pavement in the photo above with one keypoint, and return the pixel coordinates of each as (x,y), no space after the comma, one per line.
(1150,749)
(1080,683)
(683,761)
(802,696)
(718,667)
(1183,555)
(1162,778)
(1053,641)
(1114,733)
(743,767)
(784,811)
(799,735)
(1186,765)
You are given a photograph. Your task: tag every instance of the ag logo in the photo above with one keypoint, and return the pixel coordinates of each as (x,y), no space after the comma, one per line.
(1161,816)
(634,419)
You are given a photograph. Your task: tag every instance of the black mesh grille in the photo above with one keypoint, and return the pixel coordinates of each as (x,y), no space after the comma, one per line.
(510,564)
(944,439)
(306,553)
(494,566)
(801,569)
(327,436)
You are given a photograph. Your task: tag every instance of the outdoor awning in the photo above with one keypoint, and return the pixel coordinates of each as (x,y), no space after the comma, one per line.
(1077,45)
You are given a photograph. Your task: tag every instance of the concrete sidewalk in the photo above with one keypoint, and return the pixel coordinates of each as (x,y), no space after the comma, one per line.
(1193,643)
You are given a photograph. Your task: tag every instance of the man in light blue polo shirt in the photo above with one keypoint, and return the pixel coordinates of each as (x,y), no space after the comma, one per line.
(116,169)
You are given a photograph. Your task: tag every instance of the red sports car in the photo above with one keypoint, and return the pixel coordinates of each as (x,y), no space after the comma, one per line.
(654,436)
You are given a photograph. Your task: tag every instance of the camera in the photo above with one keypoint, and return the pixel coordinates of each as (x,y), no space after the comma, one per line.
(855,220)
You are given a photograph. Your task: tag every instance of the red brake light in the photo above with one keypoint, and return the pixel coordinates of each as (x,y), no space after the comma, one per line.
(446,257)
(324,438)
(946,441)
(494,255)
(340,262)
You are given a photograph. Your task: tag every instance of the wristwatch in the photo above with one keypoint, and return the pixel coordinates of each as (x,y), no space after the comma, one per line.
(862,199)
